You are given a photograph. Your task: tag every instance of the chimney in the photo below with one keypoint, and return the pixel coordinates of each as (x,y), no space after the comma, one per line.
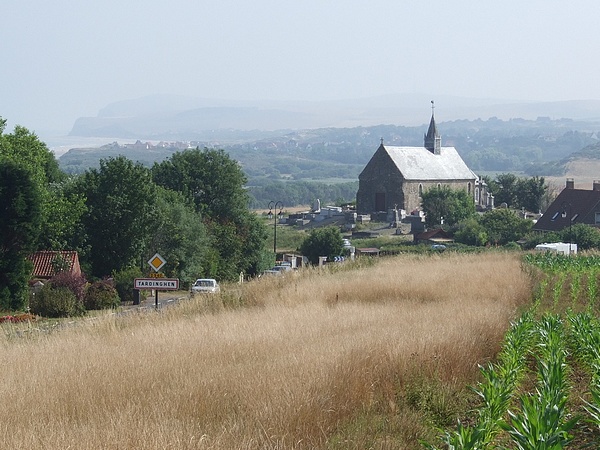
(570,183)
(596,185)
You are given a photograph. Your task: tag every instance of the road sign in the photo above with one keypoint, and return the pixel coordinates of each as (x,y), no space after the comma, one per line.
(156,262)
(161,284)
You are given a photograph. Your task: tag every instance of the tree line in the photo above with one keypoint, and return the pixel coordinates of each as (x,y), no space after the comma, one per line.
(192,208)
(453,210)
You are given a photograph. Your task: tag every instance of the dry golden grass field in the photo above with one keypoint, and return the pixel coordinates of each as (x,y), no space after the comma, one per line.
(353,357)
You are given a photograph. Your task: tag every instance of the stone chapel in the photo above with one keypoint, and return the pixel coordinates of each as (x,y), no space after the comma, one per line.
(395,177)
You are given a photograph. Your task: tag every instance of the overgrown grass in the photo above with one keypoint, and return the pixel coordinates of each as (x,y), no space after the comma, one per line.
(372,355)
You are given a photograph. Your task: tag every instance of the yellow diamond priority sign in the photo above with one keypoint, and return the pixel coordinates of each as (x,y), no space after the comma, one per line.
(156,262)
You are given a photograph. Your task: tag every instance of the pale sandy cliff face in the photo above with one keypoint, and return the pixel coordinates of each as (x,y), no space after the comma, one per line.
(583,172)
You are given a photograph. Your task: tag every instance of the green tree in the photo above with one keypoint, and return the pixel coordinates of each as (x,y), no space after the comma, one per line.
(505,189)
(503,226)
(213,180)
(180,237)
(453,205)
(120,198)
(215,184)
(325,241)
(517,192)
(25,148)
(20,222)
(63,214)
(531,192)
(60,213)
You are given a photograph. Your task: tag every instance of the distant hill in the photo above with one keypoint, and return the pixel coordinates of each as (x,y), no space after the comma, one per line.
(536,147)
(583,166)
(297,166)
(166,117)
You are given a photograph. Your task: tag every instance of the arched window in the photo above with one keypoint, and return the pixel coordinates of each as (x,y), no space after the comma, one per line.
(469,188)
(439,185)
(420,190)
(477,195)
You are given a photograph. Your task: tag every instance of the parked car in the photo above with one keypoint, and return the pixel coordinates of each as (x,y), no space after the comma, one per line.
(278,269)
(205,286)
(272,272)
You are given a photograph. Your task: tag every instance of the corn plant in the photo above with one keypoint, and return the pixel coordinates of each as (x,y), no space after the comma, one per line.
(464,438)
(575,286)
(541,422)
(558,286)
(539,425)
(585,337)
(540,293)
(585,340)
(593,407)
(592,288)
(556,268)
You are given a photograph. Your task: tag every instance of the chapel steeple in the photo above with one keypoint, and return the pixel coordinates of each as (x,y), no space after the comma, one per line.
(433,140)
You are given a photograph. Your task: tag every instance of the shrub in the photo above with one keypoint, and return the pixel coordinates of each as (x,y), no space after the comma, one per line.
(585,236)
(534,238)
(75,283)
(322,242)
(512,246)
(123,281)
(54,302)
(470,232)
(101,295)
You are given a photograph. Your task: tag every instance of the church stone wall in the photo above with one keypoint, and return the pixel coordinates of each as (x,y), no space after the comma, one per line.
(406,195)
(413,190)
(380,176)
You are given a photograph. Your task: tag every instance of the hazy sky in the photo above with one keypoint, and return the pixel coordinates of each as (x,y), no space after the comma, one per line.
(63,59)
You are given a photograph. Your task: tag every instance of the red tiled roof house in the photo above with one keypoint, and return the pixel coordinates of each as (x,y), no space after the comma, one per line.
(46,263)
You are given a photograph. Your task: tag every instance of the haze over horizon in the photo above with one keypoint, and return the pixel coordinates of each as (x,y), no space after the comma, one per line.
(64,60)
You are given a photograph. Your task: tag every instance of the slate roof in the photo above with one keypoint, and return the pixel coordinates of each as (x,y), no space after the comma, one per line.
(579,206)
(42,262)
(418,163)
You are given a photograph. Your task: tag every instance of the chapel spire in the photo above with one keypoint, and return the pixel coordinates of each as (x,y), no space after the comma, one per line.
(433,141)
